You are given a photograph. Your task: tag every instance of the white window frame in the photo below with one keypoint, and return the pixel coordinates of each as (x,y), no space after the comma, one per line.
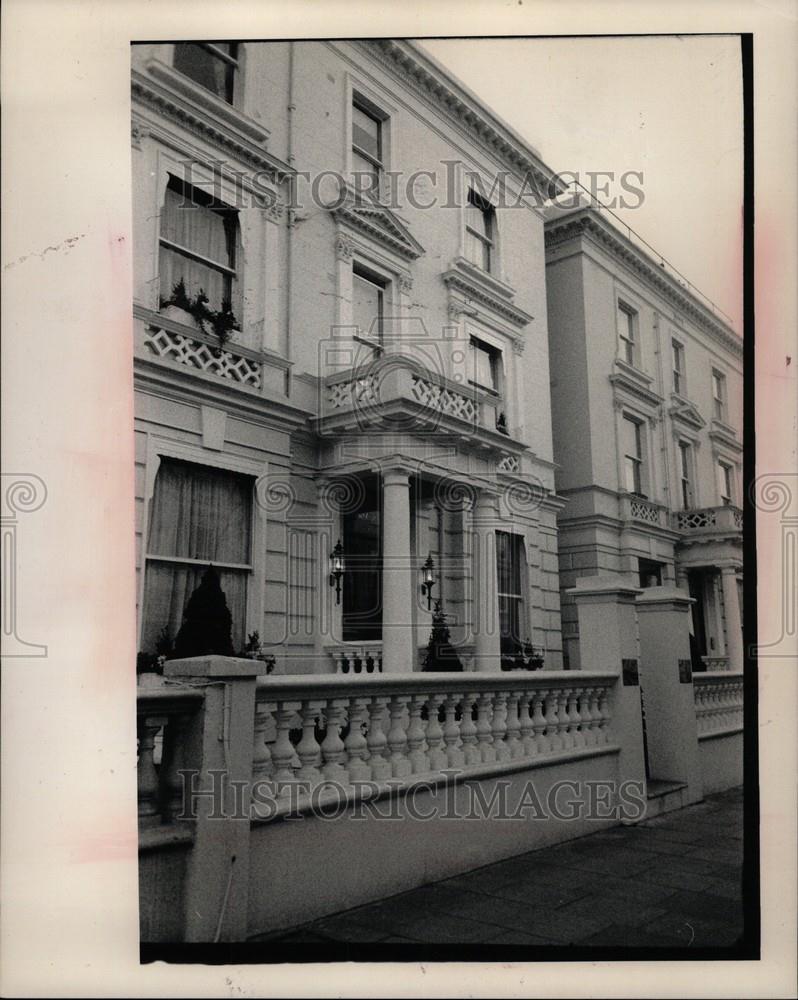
(730,473)
(158,448)
(678,367)
(385,287)
(719,401)
(234,61)
(632,340)
(377,104)
(686,475)
(487,239)
(640,458)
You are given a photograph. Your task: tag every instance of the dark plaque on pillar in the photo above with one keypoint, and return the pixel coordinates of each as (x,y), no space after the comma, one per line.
(685,672)
(630,673)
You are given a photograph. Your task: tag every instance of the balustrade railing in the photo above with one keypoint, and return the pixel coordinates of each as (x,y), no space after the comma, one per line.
(356,658)
(403,727)
(718,702)
(162,715)
(709,519)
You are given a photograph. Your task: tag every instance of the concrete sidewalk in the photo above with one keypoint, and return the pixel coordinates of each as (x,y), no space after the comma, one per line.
(672,881)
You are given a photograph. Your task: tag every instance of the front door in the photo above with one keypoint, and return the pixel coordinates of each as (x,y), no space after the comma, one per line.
(362,592)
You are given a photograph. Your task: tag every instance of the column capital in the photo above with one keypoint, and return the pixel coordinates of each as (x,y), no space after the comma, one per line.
(729,568)
(396,475)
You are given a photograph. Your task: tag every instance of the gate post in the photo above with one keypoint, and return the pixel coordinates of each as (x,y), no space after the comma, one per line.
(666,678)
(608,641)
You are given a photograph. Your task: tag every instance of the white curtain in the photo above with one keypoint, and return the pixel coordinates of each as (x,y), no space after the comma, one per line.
(206,232)
(197,513)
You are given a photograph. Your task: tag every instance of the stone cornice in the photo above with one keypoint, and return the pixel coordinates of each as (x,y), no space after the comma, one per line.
(620,380)
(230,131)
(586,222)
(686,412)
(724,434)
(421,72)
(484,290)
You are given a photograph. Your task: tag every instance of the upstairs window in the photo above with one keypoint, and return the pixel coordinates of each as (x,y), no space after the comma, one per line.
(368,303)
(480,231)
(677,352)
(649,573)
(484,365)
(718,395)
(367,141)
(212,65)
(627,332)
(725,481)
(686,474)
(632,455)
(198,245)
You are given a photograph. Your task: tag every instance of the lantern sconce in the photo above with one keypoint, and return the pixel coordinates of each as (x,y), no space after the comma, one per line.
(337,569)
(428,580)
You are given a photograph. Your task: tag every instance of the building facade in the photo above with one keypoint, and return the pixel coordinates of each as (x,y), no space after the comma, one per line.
(341,357)
(647,415)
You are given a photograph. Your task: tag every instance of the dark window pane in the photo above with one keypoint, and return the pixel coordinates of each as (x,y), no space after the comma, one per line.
(366,132)
(206,68)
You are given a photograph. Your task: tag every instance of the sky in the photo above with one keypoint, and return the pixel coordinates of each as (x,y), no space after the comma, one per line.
(669,106)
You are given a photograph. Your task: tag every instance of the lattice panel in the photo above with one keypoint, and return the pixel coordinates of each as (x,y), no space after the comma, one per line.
(695,520)
(509,463)
(359,392)
(438,397)
(644,512)
(196,354)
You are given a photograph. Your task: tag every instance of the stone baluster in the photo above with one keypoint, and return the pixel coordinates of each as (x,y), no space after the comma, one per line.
(527,726)
(377,740)
(397,737)
(171,780)
(283,752)
(586,711)
(499,726)
(333,750)
(539,723)
(148,782)
(564,723)
(438,758)
(468,732)
(262,767)
(455,756)
(484,728)
(574,715)
(308,749)
(513,738)
(355,743)
(416,737)
(604,709)
(553,721)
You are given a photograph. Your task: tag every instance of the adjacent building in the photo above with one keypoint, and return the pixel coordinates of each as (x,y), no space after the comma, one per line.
(342,358)
(647,416)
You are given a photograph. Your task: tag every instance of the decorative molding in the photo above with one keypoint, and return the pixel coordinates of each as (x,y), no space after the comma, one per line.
(481,290)
(687,413)
(621,381)
(274,211)
(415,69)
(587,222)
(380,224)
(518,346)
(723,434)
(344,247)
(405,282)
(138,132)
(182,103)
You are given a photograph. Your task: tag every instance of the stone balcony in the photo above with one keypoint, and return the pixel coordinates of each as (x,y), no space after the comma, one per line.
(710,521)
(396,394)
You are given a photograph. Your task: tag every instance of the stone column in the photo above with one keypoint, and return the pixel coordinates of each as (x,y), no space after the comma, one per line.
(665,677)
(731,603)
(485,603)
(398,654)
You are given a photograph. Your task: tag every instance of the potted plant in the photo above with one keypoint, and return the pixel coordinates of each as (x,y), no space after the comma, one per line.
(182,308)
(441,654)
(179,305)
(253,650)
(207,622)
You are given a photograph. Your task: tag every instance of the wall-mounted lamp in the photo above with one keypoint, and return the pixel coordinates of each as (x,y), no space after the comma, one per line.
(337,569)
(428,580)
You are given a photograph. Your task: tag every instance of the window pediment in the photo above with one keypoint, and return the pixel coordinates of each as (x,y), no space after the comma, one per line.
(379,224)
(476,290)
(687,413)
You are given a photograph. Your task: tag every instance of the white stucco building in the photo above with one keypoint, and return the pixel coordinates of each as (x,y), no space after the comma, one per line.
(382,376)
(647,410)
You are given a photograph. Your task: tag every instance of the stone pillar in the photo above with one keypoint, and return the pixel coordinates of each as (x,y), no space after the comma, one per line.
(485,603)
(666,682)
(608,640)
(398,654)
(731,604)
(220,740)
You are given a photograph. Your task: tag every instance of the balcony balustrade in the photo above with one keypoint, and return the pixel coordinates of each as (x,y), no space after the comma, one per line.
(708,520)
(718,703)
(642,511)
(401,728)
